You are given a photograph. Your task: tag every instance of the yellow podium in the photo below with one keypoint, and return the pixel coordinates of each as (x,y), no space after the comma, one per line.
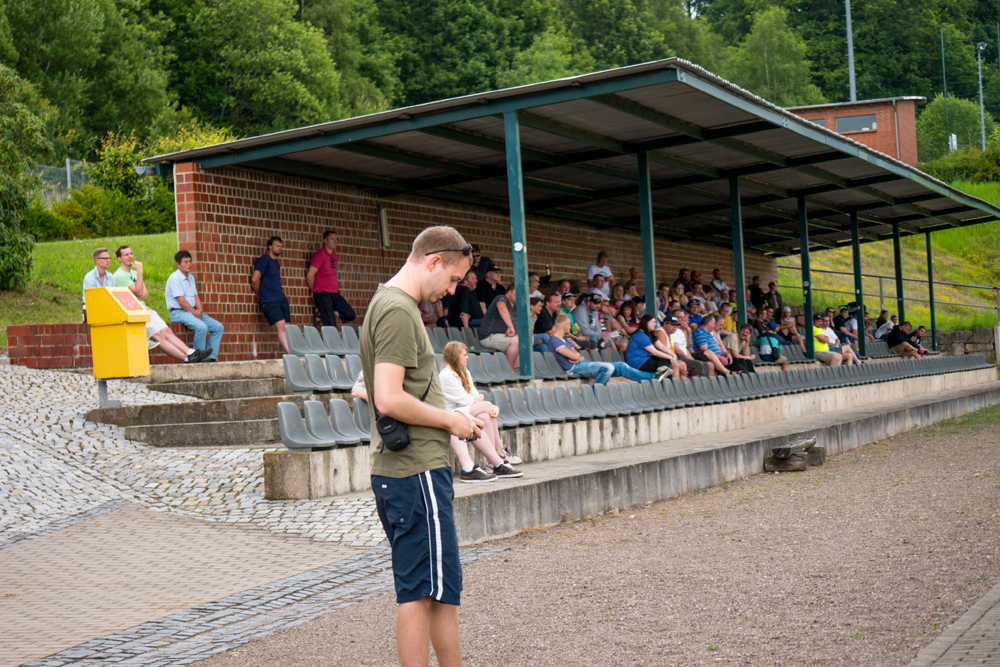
(117,333)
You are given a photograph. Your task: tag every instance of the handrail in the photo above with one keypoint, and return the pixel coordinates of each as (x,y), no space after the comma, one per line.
(893,278)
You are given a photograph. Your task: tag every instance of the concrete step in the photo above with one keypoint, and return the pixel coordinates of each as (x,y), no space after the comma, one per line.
(572,488)
(230,370)
(207,434)
(222,389)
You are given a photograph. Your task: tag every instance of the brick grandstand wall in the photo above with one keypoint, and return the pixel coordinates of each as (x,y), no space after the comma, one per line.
(65,345)
(225,216)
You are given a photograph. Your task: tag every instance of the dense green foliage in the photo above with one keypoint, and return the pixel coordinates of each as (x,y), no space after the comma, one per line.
(962,121)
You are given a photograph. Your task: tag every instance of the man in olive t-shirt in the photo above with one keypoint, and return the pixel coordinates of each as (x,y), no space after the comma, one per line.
(413,486)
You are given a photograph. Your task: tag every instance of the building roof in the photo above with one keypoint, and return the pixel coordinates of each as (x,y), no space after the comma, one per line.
(917,99)
(580,137)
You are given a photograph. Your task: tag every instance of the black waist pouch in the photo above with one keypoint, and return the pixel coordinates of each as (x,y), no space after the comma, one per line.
(394,433)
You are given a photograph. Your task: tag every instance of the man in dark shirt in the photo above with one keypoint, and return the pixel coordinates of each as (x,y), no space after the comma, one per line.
(899,342)
(490,288)
(547,317)
(756,293)
(464,309)
(266,282)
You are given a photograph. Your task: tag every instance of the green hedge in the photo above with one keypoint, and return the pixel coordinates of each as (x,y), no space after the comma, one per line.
(94,211)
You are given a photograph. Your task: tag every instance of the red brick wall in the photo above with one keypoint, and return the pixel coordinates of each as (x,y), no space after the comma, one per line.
(65,345)
(883,138)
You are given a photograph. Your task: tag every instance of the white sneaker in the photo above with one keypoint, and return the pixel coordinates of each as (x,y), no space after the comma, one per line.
(509,457)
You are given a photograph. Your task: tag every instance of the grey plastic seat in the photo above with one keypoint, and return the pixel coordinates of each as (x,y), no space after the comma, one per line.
(506,371)
(334,343)
(558,371)
(649,396)
(630,396)
(472,341)
(520,408)
(605,355)
(616,356)
(589,400)
(699,386)
(506,418)
(297,344)
(454,334)
(564,404)
(618,400)
(317,373)
(297,380)
(662,397)
(314,341)
(603,398)
(319,426)
(540,368)
(475,368)
(363,418)
(491,370)
(586,355)
(681,392)
(293,430)
(575,399)
(438,338)
(353,365)
(439,363)
(343,420)
(338,374)
(350,338)
(535,407)
(721,387)
(551,406)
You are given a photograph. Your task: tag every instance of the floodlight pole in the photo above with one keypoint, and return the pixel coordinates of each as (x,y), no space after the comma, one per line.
(850,52)
(944,80)
(518,238)
(980,47)
(807,299)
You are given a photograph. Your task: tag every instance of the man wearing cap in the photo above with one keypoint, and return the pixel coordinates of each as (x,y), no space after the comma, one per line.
(665,341)
(601,268)
(822,342)
(588,318)
(490,289)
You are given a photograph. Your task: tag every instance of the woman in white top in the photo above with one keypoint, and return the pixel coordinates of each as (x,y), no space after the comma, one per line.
(460,395)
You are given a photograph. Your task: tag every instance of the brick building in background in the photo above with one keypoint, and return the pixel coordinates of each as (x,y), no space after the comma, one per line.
(888,125)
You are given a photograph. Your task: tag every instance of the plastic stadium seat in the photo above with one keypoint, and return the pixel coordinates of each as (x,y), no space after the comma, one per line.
(558,371)
(475,368)
(576,401)
(649,396)
(297,343)
(334,343)
(454,334)
(297,380)
(363,418)
(506,418)
(617,399)
(343,420)
(471,341)
(293,431)
(353,365)
(319,425)
(314,340)
(535,407)
(350,337)
(520,408)
(505,370)
(338,374)
(491,370)
(548,400)
(603,398)
(564,404)
(438,338)
(540,368)
(680,391)
(589,400)
(439,363)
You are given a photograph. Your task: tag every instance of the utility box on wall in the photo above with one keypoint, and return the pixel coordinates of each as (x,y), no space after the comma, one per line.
(117,333)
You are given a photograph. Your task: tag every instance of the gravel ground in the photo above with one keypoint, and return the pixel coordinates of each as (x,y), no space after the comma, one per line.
(862,562)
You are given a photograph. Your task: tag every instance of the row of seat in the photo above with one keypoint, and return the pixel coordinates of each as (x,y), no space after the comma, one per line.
(320,377)
(317,432)
(309,340)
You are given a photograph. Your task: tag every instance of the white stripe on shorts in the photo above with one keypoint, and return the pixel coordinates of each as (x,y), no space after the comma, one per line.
(439,558)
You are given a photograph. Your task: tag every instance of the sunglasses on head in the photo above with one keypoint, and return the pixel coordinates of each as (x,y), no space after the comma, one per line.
(466,251)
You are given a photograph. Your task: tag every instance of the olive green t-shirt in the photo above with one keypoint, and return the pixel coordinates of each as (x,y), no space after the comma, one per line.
(394,334)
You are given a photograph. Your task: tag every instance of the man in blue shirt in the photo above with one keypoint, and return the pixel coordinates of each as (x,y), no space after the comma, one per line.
(266,282)
(184,304)
(573,362)
(98,277)
(707,349)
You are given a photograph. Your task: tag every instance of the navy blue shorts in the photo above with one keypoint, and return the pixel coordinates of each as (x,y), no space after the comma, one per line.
(275,311)
(416,513)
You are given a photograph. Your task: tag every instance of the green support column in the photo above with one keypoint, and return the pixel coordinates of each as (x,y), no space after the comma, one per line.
(930,291)
(898,259)
(646,229)
(518,237)
(859,296)
(739,272)
(807,300)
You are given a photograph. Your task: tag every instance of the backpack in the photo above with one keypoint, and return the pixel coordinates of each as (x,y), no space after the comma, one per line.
(769,347)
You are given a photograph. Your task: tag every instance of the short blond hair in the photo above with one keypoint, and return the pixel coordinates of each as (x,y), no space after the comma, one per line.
(436,239)
(561,318)
(100,251)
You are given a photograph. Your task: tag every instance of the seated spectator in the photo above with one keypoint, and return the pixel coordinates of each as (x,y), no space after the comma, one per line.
(618,292)
(488,290)
(683,346)
(882,333)
(464,309)
(728,321)
(572,361)
(738,347)
(678,293)
(533,282)
(664,340)
(721,297)
(551,306)
(760,322)
(460,395)
(588,318)
(772,297)
(99,276)
(184,304)
(430,312)
(641,354)
(632,293)
(538,340)
(710,307)
(718,283)
(600,288)
(498,330)
(617,336)
(883,317)
(480,263)
(694,312)
(707,348)
(601,268)
(564,287)
(843,349)
(821,343)
(568,306)
(696,279)
(900,343)
(684,277)
(628,317)
(916,338)
(769,346)
(158,334)
(788,332)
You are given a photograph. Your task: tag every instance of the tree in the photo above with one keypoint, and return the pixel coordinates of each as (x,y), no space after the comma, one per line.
(250,65)
(963,121)
(553,55)
(617,32)
(771,62)
(22,139)
(689,37)
(99,63)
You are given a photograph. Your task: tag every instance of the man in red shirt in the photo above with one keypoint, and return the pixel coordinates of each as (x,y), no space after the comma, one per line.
(322,279)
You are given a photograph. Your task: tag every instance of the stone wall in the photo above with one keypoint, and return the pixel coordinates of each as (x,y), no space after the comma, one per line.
(958,343)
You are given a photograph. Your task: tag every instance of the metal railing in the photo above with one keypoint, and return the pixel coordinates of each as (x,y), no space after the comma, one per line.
(881,289)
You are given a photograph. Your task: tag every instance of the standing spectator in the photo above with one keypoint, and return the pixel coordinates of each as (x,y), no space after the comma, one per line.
(464,309)
(601,268)
(490,289)
(717,281)
(572,361)
(129,274)
(822,342)
(707,348)
(773,297)
(588,319)
(643,355)
(266,284)
(600,287)
(184,304)
(533,282)
(325,285)
(755,294)
(99,276)
(498,330)
(480,263)
(414,484)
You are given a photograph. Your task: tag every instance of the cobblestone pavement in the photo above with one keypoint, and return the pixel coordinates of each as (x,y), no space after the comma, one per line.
(54,465)
(974,639)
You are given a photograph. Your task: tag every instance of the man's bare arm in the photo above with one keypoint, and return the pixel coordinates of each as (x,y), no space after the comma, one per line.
(255,282)
(392,401)
(311,277)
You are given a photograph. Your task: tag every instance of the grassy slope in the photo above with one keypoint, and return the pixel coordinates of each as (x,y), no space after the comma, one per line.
(54,294)
(968,255)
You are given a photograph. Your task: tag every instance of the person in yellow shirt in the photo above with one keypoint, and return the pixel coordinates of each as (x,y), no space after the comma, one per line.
(821,343)
(729,326)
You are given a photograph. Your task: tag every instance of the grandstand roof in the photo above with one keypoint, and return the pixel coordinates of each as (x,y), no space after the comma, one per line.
(579,140)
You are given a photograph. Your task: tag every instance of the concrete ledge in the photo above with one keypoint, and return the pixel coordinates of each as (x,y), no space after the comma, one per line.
(222,389)
(206,434)
(228,370)
(307,475)
(569,489)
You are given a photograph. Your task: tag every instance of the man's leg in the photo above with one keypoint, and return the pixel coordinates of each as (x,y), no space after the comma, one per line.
(327,313)
(280,328)
(343,309)
(513,358)
(716,362)
(587,369)
(540,342)
(836,360)
(444,634)
(427,617)
(680,368)
(167,345)
(621,369)
(199,328)
(215,330)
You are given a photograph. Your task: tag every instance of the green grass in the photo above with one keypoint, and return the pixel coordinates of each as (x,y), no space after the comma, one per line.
(54,293)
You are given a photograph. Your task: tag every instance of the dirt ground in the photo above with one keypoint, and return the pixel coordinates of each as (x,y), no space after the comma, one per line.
(861,562)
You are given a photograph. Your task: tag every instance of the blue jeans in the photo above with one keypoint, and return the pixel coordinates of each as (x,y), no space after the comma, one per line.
(541,342)
(201,327)
(599,370)
(623,370)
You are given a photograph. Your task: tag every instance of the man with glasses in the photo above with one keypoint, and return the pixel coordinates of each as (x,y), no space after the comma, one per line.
(490,289)
(324,284)
(99,276)
(480,263)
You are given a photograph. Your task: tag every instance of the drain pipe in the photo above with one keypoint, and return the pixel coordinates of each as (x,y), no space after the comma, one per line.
(895,125)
